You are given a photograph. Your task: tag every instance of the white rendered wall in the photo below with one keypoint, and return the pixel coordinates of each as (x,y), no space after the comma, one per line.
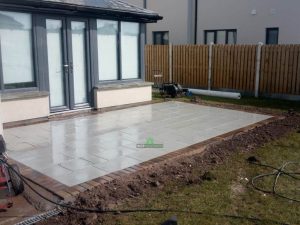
(118,97)
(18,110)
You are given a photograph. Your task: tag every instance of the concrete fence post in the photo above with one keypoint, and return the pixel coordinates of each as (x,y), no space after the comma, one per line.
(210,55)
(170,63)
(257,72)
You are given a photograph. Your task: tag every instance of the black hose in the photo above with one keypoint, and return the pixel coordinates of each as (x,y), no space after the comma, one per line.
(128,211)
(277,173)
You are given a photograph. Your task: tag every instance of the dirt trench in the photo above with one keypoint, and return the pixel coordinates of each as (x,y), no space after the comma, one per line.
(183,170)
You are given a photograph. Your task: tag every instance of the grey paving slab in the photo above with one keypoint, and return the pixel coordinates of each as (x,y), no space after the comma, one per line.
(117,164)
(75,164)
(80,176)
(76,150)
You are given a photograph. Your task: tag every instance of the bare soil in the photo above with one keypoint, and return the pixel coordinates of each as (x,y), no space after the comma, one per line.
(183,170)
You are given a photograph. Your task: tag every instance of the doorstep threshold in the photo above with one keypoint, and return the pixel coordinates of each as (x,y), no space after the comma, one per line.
(70,113)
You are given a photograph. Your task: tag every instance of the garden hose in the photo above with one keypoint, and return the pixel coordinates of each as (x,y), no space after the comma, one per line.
(277,173)
(129,211)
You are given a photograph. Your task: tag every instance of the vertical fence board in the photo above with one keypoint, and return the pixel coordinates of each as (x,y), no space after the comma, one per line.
(289,79)
(262,70)
(298,74)
(296,55)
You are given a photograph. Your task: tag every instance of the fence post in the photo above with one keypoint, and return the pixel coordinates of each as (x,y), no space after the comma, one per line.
(257,73)
(170,63)
(210,54)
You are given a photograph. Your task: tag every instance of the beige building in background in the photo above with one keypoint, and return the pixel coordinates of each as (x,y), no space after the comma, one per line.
(226,21)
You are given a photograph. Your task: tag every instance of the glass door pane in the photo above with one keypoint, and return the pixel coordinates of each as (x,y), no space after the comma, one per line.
(55,62)
(130,50)
(107,35)
(78,63)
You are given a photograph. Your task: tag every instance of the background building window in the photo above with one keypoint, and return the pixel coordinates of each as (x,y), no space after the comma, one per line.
(272,36)
(161,37)
(130,50)
(16,50)
(210,37)
(107,35)
(220,36)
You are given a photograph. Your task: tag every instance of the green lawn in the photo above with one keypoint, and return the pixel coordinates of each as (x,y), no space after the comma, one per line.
(229,193)
(249,101)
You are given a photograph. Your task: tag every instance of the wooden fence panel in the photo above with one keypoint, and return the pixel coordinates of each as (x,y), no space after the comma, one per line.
(157,62)
(233,67)
(190,65)
(280,70)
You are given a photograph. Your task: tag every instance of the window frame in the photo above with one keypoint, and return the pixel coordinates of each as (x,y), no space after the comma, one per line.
(216,35)
(119,52)
(161,39)
(33,52)
(268,29)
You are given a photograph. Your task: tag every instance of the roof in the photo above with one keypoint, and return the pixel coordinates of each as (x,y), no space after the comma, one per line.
(115,7)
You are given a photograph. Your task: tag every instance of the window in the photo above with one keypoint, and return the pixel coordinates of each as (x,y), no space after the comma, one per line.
(210,37)
(161,37)
(130,50)
(272,36)
(107,35)
(220,36)
(16,53)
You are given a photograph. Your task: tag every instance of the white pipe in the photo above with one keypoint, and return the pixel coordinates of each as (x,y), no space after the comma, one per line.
(221,94)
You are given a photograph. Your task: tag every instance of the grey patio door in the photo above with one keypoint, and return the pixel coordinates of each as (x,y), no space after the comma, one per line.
(68,70)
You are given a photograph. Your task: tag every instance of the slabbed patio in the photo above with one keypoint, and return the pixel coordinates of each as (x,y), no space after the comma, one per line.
(77,150)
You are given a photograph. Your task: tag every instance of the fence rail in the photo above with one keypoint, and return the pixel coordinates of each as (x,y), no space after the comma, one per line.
(234,67)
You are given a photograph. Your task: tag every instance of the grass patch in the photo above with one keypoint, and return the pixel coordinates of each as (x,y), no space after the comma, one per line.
(248,101)
(258,102)
(228,193)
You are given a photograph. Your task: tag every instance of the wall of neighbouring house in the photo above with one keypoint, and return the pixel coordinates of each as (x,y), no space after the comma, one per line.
(237,14)
(179,19)
(176,20)
(178,15)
